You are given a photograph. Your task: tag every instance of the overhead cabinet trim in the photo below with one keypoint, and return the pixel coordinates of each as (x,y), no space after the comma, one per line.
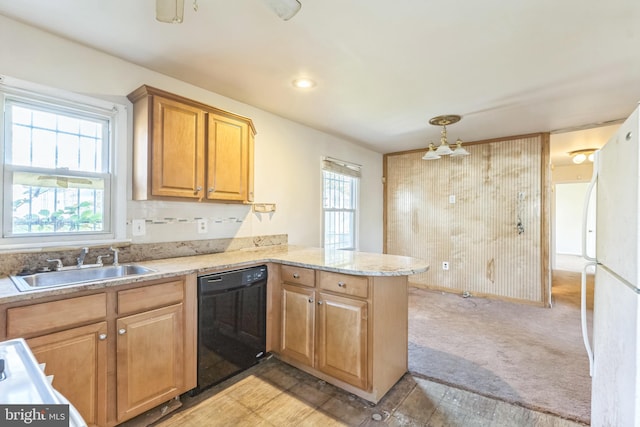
(187,150)
(145,90)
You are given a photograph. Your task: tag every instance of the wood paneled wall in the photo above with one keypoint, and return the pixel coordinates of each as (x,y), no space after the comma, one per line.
(502,181)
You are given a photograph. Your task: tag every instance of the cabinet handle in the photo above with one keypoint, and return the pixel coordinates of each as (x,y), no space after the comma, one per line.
(198,189)
(342,285)
(310,300)
(296,276)
(122,331)
(102,337)
(210,190)
(319,302)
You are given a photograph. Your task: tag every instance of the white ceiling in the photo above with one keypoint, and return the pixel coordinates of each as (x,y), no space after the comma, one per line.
(383,67)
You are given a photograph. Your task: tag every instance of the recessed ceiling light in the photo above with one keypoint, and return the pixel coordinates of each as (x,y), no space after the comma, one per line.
(303,83)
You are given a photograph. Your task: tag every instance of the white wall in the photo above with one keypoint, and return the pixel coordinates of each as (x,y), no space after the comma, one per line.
(568,217)
(287,154)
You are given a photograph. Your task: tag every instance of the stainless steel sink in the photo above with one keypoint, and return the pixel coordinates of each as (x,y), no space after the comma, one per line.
(76,276)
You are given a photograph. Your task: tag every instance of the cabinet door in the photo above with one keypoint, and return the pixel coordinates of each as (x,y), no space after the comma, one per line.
(227,158)
(298,319)
(177,149)
(77,358)
(342,338)
(149,359)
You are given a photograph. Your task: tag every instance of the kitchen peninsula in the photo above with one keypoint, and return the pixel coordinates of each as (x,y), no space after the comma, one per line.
(339,315)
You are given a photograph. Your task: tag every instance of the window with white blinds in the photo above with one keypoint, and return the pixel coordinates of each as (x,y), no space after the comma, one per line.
(340,203)
(58,166)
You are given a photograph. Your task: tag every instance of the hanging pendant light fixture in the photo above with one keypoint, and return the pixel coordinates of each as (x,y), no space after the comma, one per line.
(444,149)
(459,150)
(431,154)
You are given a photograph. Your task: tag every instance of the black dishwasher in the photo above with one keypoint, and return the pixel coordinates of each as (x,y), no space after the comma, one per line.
(231,323)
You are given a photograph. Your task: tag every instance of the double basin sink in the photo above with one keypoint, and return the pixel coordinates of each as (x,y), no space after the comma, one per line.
(76,276)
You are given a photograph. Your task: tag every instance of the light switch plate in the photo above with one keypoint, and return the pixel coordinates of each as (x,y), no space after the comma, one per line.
(138,227)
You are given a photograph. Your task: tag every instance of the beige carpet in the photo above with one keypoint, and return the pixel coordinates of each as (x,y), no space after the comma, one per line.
(522,354)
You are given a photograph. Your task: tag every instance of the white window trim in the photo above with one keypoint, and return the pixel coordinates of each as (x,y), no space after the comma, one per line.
(16,88)
(346,168)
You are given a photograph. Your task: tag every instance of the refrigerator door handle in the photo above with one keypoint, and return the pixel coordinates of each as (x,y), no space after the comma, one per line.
(583,314)
(585,209)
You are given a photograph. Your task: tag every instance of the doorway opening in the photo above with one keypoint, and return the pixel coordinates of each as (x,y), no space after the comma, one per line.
(568,219)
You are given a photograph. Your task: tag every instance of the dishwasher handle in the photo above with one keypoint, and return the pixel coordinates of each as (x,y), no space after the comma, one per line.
(218,285)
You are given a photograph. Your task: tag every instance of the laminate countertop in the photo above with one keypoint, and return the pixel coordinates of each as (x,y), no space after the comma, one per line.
(339,261)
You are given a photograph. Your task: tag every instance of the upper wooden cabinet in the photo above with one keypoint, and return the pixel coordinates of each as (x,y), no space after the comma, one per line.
(186,150)
(177,149)
(227,159)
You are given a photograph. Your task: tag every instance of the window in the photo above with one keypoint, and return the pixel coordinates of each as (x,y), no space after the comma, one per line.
(58,174)
(339,203)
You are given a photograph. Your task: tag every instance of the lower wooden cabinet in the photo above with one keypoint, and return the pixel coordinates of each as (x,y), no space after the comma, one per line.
(324,331)
(150,364)
(298,323)
(118,353)
(351,331)
(77,358)
(342,338)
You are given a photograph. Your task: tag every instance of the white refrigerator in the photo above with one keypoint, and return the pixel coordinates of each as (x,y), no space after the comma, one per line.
(615,395)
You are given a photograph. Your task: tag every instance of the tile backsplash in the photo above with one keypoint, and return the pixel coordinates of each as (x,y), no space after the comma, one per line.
(12,263)
(192,221)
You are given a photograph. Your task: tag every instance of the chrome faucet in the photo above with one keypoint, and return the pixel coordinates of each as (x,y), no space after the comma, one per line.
(83,253)
(58,262)
(115,255)
(99,262)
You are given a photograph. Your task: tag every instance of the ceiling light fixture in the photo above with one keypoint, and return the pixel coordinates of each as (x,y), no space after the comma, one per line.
(172,11)
(579,156)
(285,9)
(303,83)
(444,149)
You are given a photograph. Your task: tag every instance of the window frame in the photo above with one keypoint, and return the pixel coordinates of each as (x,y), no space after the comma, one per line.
(17,92)
(352,171)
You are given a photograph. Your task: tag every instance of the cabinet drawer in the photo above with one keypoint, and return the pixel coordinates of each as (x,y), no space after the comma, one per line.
(47,316)
(298,275)
(148,297)
(345,284)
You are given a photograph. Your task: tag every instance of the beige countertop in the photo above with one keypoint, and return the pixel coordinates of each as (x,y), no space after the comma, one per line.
(359,263)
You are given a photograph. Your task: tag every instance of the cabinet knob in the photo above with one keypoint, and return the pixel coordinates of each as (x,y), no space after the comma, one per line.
(122,331)
(319,302)
(296,276)
(342,285)
(102,337)
(311,300)
(210,190)
(198,189)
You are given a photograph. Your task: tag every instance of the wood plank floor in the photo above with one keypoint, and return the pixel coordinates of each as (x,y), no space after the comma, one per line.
(275,394)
